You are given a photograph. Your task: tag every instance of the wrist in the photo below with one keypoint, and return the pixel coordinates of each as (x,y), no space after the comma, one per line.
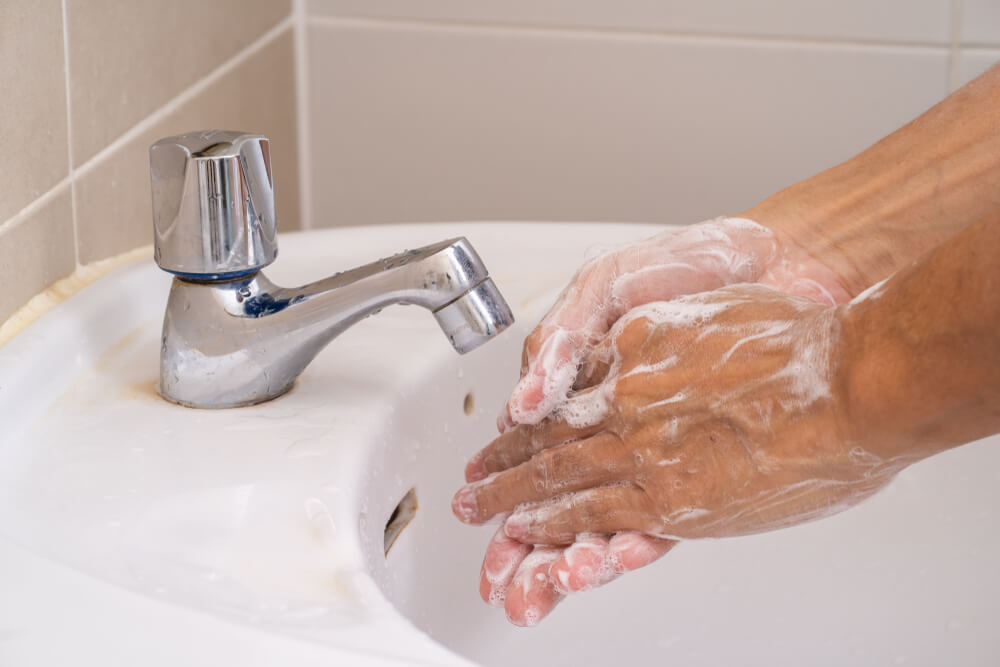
(872,377)
(805,224)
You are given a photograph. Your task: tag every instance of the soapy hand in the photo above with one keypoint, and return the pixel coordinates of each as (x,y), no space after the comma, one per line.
(716,414)
(677,262)
(680,261)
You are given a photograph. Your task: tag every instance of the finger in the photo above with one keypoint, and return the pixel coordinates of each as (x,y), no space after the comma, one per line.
(582,565)
(595,560)
(532,595)
(503,557)
(608,509)
(504,421)
(519,444)
(631,550)
(548,379)
(573,466)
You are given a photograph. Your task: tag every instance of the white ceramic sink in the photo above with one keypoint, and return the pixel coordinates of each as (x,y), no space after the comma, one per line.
(134,531)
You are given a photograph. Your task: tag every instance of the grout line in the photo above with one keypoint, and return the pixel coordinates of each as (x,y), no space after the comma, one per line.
(304,128)
(146,123)
(981,46)
(36,204)
(69,137)
(624,33)
(185,96)
(954,54)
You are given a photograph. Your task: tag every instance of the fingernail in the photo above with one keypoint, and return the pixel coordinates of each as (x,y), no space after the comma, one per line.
(464,504)
(516,526)
(504,421)
(475,469)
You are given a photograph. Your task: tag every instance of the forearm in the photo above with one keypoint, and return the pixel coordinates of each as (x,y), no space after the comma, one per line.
(878,211)
(921,353)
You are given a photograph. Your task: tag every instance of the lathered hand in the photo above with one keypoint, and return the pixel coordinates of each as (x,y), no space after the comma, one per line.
(681,261)
(713,415)
(701,257)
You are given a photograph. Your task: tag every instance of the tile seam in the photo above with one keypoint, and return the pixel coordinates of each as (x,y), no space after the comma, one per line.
(623,33)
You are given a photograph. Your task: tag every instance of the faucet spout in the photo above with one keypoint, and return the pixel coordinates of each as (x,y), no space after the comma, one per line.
(239,342)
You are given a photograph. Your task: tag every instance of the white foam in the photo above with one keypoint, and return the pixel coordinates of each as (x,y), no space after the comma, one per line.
(714,252)
(872,293)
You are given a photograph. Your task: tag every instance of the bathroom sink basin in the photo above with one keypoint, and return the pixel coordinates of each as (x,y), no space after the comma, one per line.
(136,531)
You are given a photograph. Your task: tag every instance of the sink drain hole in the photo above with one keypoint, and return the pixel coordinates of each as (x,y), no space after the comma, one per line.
(399,519)
(469,404)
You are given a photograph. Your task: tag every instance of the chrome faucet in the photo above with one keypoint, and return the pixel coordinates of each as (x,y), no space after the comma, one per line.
(231,337)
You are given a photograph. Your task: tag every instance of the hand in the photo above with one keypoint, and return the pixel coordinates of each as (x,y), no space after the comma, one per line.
(677,262)
(716,414)
(529,581)
(681,261)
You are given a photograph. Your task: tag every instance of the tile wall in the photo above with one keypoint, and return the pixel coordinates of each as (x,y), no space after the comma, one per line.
(665,111)
(401,111)
(87,85)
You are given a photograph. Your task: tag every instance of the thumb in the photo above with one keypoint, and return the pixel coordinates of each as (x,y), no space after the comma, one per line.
(553,351)
(548,379)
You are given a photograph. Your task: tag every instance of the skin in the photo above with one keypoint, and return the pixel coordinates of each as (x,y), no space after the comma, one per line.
(825,239)
(742,445)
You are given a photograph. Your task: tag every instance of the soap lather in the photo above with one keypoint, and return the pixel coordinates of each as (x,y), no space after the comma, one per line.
(233,338)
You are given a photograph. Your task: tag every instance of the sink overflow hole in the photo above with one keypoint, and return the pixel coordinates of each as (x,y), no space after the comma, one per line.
(469,404)
(399,519)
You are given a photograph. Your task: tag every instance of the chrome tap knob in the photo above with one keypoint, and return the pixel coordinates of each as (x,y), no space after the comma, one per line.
(213,204)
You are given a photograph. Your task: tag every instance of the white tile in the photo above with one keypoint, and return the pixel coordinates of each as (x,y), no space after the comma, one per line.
(418,124)
(981,22)
(976,61)
(885,20)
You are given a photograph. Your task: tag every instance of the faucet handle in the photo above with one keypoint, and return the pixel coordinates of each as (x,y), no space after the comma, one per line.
(213,204)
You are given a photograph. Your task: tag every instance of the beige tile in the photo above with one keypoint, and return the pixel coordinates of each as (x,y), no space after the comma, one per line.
(32,102)
(113,199)
(128,58)
(423,124)
(976,61)
(981,22)
(886,20)
(35,252)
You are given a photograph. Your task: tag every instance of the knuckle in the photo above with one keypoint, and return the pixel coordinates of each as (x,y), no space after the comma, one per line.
(590,514)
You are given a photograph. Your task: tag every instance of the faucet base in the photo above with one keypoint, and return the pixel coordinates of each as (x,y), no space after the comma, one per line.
(202,405)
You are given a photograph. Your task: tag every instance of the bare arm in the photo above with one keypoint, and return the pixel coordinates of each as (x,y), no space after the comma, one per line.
(906,194)
(924,351)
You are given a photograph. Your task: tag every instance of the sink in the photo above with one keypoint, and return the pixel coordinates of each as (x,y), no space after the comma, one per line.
(908,577)
(138,531)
